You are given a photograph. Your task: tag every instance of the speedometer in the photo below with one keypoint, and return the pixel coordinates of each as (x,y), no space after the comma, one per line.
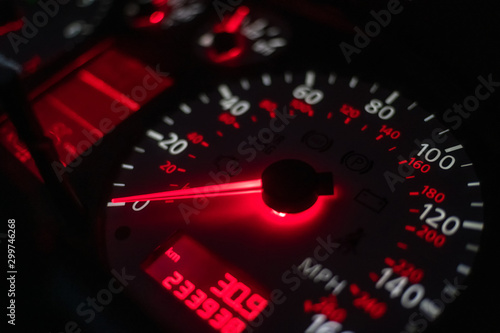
(298,201)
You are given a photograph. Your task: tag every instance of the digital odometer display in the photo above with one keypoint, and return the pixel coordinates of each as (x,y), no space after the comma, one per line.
(204,284)
(354,207)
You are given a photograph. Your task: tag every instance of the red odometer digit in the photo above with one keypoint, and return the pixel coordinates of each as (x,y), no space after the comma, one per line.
(205,285)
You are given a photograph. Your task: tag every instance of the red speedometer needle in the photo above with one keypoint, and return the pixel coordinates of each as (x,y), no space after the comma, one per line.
(287,186)
(227,42)
(231,24)
(245,187)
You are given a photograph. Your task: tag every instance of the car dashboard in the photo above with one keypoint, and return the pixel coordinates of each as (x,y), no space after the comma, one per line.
(240,166)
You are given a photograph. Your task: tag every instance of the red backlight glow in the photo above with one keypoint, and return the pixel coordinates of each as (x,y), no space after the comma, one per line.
(156,17)
(11,26)
(86,100)
(215,292)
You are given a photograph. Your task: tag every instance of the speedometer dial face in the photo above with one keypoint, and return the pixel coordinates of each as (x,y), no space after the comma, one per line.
(298,202)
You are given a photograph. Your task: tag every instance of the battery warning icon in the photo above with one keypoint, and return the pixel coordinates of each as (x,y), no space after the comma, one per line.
(369,199)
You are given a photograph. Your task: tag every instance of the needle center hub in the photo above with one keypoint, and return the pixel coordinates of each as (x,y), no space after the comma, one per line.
(292,186)
(224,42)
